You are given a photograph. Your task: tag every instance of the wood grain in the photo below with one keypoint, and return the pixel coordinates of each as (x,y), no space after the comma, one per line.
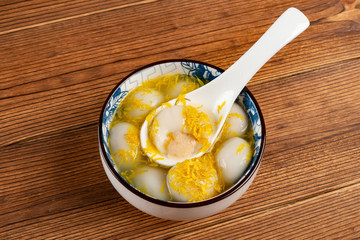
(60,59)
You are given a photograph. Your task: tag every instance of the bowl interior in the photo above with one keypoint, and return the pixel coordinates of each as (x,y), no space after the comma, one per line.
(195,69)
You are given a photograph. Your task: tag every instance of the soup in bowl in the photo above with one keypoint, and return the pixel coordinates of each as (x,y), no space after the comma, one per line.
(194,188)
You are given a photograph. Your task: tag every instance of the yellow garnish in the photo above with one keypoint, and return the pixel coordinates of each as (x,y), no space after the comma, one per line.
(181,99)
(170,138)
(218,121)
(162,189)
(226,128)
(157,158)
(154,129)
(143,189)
(123,156)
(201,83)
(152,150)
(126,176)
(236,115)
(133,138)
(249,155)
(196,179)
(150,115)
(197,124)
(219,107)
(240,148)
(129,156)
(167,104)
(205,147)
(135,103)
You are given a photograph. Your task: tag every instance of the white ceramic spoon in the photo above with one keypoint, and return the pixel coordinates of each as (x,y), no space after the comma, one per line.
(227,86)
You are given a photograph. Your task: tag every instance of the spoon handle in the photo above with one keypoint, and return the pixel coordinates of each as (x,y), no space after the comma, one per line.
(229,84)
(287,27)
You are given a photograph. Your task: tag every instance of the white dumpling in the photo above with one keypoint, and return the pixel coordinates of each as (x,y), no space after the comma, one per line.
(125,145)
(233,158)
(152,181)
(194,179)
(176,89)
(182,87)
(148,100)
(236,123)
(169,135)
(167,121)
(187,196)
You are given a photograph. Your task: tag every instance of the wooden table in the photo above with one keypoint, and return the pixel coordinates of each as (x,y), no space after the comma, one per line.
(60,59)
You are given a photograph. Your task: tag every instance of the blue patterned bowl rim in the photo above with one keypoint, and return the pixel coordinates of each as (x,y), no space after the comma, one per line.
(202,71)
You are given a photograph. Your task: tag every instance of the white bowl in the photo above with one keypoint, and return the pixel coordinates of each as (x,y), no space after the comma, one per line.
(167,209)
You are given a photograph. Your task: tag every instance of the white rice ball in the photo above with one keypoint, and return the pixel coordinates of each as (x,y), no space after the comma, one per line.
(167,121)
(233,158)
(194,179)
(149,100)
(176,89)
(125,145)
(152,181)
(237,122)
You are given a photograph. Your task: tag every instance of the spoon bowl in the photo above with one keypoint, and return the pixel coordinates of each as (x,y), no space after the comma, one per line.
(225,88)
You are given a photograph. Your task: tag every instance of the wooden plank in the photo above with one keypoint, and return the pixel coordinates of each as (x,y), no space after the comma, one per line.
(64,187)
(299,220)
(64,63)
(62,205)
(23,15)
(99,44)
(60,59)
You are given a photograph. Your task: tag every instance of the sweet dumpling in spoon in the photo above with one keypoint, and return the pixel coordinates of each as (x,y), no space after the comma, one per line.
(180,131)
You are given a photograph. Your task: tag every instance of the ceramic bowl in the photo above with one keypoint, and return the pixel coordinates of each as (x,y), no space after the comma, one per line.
(177,210)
